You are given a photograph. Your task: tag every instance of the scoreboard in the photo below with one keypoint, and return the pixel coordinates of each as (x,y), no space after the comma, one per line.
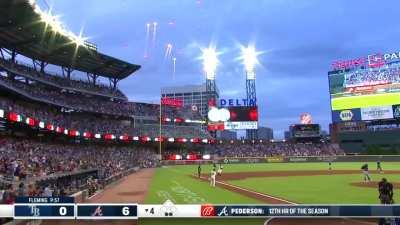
(65,208)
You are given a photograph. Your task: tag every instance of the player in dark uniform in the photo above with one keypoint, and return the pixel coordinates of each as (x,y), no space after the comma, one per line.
(365,171)
(330,165)
(199,171)
(385,189)
(379,167)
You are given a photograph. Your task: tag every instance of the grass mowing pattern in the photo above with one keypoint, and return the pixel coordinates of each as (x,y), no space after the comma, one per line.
(308,189)
(365,101)
(175,183)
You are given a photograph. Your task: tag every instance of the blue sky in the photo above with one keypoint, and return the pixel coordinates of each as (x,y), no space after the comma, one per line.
(300,39)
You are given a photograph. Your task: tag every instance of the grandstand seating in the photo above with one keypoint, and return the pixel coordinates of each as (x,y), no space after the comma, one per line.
(267,149)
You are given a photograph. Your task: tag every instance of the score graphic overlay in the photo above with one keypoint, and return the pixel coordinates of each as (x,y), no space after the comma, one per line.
(64,208)
(44,208)
(107,211)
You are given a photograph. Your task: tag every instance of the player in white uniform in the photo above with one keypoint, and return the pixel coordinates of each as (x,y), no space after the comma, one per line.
(219,172)
(212,178)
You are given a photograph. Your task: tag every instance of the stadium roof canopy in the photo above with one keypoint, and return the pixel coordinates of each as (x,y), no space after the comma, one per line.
(23,30)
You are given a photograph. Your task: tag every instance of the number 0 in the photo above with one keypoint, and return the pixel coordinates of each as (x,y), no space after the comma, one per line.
(125,211)
(62,211)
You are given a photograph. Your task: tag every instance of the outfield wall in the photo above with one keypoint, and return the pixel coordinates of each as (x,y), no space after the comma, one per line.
(300,159)
(290,159)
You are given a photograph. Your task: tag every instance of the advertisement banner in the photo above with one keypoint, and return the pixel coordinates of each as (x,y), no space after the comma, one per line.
(346,115)
(377,113)
(276,159)
(396,111)
(241,125)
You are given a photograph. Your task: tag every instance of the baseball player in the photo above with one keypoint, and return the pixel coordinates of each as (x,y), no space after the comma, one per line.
(365,172)
(212,178)
(220,170)
(379,167)
(199,171)
(330,165)
(385,189)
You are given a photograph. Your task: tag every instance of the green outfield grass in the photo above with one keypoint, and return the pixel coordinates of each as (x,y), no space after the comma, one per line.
(364,101)
(175,183)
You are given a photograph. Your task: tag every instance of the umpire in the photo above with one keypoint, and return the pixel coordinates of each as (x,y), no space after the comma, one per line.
(385,189)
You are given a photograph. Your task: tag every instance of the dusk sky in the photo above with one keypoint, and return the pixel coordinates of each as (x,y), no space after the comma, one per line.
(299,38)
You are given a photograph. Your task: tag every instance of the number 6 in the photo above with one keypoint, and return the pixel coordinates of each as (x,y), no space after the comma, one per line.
(125,211)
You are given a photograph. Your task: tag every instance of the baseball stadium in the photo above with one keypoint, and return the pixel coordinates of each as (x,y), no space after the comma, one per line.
(77,147)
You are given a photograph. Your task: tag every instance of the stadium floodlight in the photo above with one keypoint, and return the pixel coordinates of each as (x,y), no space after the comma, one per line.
(250,61)
(210,62)
(53,21)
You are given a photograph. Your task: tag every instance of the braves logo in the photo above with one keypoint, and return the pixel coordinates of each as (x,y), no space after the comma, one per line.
(98,211)
(207,210)
(376,60)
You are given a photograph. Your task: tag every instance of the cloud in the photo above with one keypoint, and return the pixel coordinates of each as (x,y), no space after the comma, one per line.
(300,39)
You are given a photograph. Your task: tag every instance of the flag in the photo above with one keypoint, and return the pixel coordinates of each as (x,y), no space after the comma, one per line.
(30,121)
(14,117)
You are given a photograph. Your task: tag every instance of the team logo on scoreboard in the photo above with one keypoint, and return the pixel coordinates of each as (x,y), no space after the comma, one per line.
(396,111)
(98,211)
(346,115)
(376,60)
(207,210)
(35,211)
(223,212)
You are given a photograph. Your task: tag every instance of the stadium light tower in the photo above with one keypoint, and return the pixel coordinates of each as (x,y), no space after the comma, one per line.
(250,61)
(210,63)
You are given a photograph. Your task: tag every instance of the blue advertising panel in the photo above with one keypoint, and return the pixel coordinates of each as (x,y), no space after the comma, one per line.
(346,115)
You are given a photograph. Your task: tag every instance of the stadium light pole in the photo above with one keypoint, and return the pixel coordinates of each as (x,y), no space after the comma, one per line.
(210,63)
(250,61)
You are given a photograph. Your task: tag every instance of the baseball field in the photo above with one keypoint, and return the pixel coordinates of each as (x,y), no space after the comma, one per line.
(263,183)
(270,183)
(365,101)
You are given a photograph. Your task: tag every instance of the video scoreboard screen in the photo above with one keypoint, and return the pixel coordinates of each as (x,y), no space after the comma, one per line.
(365,89)
(233,118)
(305,130)
(64,208)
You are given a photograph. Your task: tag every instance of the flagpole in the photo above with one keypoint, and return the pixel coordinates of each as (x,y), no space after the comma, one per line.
(159,138)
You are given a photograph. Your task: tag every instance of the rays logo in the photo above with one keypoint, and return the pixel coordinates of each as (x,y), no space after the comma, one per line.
(35,211)
(346,115)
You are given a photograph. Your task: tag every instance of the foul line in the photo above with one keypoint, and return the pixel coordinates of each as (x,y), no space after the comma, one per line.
(254,192)
(257,193)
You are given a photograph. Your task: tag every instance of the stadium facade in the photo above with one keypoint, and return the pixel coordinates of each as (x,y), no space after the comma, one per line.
(194,96)
(265,133)
(365,102)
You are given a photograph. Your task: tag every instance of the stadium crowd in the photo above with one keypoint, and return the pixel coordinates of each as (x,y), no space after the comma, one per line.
(276,149)
(23,162)
(76,101)
(375,77)
(58,80)
(103,124)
